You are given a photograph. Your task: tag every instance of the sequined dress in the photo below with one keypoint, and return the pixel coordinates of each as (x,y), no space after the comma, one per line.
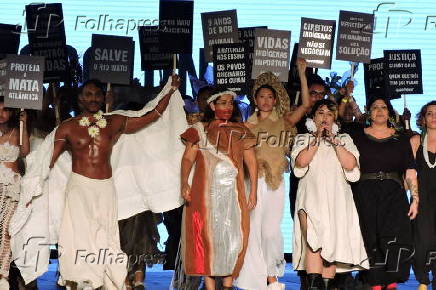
(215,223)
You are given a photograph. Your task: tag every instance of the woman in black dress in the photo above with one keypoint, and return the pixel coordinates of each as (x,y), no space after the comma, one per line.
(386,159)
(424,149)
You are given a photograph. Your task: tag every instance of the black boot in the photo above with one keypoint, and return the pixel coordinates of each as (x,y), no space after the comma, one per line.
(329,284)
(315,282)
(303,280)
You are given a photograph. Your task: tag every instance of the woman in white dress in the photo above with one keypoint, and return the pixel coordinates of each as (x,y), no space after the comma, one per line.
(327,236)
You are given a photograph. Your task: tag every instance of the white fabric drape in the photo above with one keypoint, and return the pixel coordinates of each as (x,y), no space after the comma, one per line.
(146,172)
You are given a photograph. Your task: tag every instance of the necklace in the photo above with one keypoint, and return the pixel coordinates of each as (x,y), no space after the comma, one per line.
(425,153)
(95,126)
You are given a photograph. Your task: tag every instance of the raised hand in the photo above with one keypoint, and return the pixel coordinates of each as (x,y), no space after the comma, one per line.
(301,65)
(175,82)
(23,117)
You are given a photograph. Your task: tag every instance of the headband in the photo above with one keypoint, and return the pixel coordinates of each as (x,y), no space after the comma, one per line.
(216,96)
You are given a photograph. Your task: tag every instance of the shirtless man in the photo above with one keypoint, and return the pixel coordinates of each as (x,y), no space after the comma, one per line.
(88,238)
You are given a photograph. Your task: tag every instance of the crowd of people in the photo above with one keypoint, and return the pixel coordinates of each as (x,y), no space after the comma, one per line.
(361,188)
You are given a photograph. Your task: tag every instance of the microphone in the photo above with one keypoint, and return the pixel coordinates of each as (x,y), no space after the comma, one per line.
(324,131)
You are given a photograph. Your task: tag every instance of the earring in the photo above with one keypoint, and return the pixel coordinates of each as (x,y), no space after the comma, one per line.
(391,123)
(368,121)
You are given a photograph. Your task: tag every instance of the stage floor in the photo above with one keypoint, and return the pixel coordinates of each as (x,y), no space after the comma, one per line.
(157,279)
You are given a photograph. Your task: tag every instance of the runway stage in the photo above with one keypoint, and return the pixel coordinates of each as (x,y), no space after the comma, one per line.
(157,279)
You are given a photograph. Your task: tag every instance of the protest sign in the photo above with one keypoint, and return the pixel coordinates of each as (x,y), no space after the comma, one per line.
(246,36)
(9,38)
(46,34)
(24,79)
(175,26)
(230,67)
(271,53)
(403,71)
(316,42)
(354,39)
(152,58)
(218,28)
(111,59)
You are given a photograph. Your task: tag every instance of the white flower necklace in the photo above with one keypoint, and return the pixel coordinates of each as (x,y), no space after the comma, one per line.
(94,127)
(425,153)
(311,127)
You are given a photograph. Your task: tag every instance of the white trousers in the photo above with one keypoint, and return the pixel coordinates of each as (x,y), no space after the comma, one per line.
(89,243)
(264,255)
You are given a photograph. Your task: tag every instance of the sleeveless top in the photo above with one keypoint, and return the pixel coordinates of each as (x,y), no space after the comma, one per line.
(274,139)
(9,179)
(426,178)
(8,152)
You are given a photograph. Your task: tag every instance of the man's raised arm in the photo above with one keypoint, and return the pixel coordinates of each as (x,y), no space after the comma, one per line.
(135,124)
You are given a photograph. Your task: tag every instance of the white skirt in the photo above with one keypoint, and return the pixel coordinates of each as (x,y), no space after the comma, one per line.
(89,243)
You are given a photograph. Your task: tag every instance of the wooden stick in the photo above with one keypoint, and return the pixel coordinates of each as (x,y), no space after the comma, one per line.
(57,105)
(174,63)
(108,88)
(297,97)
(406,122)
(352,72)
(21,128)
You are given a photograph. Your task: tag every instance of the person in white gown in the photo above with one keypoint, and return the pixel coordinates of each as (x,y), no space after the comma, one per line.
(327,236)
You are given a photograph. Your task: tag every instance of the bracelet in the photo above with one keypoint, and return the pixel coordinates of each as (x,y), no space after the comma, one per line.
(157,112)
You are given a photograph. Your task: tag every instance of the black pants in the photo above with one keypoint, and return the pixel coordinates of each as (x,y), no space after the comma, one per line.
(386,229)
(173,222)
(138,239)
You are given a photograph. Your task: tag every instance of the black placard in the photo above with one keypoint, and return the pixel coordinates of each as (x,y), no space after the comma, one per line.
(3,82)
(230,67)
(111,59)
(219,27)
(374,78)
(9,38)
(46,33)
(246,36)
(354,41)
(403,70)
(316,42)
(24,79)
(175,26)
(271,53)
(151,56)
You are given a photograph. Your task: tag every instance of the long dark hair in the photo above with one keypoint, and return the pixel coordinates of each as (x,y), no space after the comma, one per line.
(209,114)
(421,115)
(391,111)
(14,117)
